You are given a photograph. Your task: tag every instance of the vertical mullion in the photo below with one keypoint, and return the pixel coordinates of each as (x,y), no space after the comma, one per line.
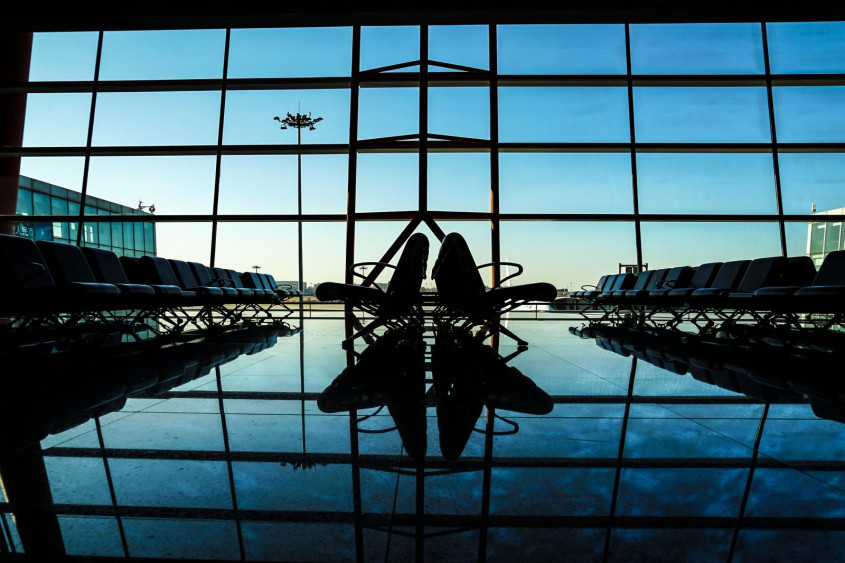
(423,120)
(81,224)
(495,226)
(633,139)
(352,171)
(219,148)
(775,159)
(227,449)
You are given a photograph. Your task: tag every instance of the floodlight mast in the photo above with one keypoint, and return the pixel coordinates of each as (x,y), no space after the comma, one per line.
(299,121)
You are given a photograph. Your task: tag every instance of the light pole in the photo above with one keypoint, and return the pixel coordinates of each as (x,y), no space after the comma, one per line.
(299,121)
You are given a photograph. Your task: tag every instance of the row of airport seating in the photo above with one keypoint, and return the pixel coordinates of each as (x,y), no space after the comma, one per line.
(52,285)
(770,374)
(766,288)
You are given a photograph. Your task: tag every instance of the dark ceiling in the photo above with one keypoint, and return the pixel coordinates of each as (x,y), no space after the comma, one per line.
(34,16)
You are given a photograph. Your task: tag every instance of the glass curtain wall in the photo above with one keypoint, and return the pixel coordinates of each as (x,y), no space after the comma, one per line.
(573,149)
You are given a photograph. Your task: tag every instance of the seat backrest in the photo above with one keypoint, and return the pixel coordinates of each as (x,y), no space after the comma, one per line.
(184,274)
(132,267)
(155,270)
(403,289)
(235,277)
(676,278)
(799,271)
(608,283)
(623,281)
(251,280)
(657,279)
(832,270)
(643,279)
(602,281)
(22,265)
(705,275)
(105,264)
(762,272)
(730,274)
(66,262)
(203,274)
(456,274)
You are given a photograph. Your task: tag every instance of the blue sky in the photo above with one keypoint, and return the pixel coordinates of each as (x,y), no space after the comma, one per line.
(567,254)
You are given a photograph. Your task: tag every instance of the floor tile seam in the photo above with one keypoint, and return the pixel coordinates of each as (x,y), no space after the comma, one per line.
(624,387)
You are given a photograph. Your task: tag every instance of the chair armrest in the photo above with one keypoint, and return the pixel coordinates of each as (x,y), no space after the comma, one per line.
(222,282)
(588,287)
(363,276)
(514,264)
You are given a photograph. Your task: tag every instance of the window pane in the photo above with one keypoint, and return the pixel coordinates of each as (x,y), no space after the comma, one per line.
(701,114)
(734,48)
(174,184)
(387,182)
(41,128)
(667,245)
(809,179)
(562,49)
(565,183)
(184,241)
(385,112)
(459,181)
(464,45)
(462,112)
(383,46)
(156,118)
(162,54)
(64,171)
(588,114)
(323,257)
(290,52)
(806,47)
(267,184)
(63,56)
(527,243)
(706,183)
(241,246)
(831,237)
(810,114)
(249,116)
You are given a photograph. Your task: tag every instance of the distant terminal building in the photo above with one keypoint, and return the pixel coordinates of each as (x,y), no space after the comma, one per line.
(124,238)
(824,237)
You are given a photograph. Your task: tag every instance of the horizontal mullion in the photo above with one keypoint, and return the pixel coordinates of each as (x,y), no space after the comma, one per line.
(439,215)
(411,79)
(404,146)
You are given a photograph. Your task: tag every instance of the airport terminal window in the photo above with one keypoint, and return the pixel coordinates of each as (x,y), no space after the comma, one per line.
(652,123)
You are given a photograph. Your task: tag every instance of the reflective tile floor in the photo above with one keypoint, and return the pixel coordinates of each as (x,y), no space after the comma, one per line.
(227,457)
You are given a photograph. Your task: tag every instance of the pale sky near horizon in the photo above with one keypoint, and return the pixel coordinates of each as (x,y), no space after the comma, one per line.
(567,254)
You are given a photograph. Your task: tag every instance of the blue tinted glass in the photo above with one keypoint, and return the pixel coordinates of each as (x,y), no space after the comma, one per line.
(464,45)
(734,48)
(384,46)
(63,56)
(588,114)
(385,112)
(806,47)
(808,179)
(151,55)
(701,114)
(459,181)
(156,118)
(562,49)
(707,242)
(810,114)
(290,52)
(41,128)
(463,112)
(565,183)
(387,182)
(250,113)
(705,183)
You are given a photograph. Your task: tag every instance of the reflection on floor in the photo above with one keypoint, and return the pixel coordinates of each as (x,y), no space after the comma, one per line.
(635,462)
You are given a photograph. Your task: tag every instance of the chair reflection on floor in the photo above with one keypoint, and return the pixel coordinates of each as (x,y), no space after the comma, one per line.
(466,374)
